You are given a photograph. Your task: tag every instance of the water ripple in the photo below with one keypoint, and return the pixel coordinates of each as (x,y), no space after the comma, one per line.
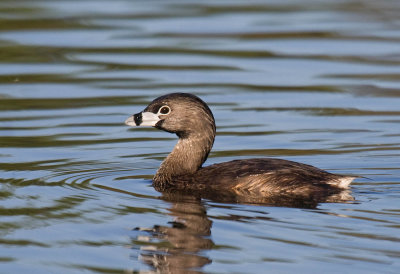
(310,81)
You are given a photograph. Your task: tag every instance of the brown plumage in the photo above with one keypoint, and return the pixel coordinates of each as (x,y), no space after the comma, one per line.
(192,121)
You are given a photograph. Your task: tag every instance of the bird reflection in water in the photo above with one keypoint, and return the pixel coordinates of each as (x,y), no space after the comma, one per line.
(180,247)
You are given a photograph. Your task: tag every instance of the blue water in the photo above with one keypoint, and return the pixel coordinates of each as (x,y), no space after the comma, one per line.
(312,81)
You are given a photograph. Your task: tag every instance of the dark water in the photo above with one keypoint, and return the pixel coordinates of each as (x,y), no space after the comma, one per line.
(310,81)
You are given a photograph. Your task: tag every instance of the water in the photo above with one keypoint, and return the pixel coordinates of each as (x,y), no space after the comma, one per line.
(311,81)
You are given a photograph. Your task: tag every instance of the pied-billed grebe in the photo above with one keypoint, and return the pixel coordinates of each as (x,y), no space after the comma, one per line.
(192,121)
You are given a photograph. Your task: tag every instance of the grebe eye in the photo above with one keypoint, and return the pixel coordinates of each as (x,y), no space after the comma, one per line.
(164,110)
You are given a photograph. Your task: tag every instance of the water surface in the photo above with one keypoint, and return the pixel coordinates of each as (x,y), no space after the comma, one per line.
(309,81)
